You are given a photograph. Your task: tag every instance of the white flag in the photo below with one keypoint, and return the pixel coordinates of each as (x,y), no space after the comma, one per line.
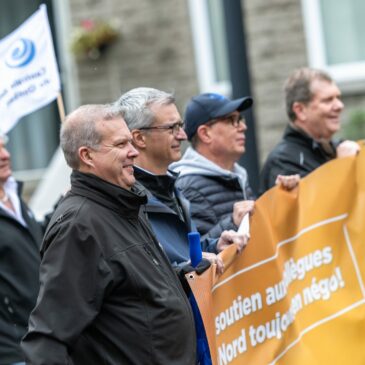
(29,76)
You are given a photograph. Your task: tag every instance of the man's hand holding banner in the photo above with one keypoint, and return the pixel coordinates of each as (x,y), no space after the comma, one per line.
(296,295)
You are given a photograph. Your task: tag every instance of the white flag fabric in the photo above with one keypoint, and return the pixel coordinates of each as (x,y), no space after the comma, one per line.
(29,76)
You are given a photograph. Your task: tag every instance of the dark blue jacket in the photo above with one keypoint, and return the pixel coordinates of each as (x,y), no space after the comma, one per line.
(171,231)
(171,222)
(170,228)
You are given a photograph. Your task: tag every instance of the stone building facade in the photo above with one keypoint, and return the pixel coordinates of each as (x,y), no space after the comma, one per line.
(156,49)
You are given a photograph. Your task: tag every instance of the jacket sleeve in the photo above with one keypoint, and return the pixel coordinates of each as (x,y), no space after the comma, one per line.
(209,244)
(270,173)
(248,193)
(224,224)
(207,223)
(73,277)
(279,166)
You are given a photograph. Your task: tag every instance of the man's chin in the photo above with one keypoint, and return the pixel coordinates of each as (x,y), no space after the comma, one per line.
(332,132)
(176,156)
(241,150)
(4,175)
(131,181)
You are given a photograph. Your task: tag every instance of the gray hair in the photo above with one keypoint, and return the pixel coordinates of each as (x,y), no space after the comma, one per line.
(135,105)
(80,129)
(298,87)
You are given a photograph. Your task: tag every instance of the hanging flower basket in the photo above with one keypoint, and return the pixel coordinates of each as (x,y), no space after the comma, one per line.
(92,38)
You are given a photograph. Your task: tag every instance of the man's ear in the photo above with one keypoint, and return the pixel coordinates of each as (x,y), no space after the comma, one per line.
(300,111)
(85,155)
(139,138)
(204,133)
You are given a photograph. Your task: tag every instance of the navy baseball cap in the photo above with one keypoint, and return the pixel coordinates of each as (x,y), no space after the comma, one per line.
(205,107)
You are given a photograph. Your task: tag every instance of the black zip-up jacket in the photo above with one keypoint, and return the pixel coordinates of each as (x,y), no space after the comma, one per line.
(296,153)
(108,293)
(19,279)
(169,215)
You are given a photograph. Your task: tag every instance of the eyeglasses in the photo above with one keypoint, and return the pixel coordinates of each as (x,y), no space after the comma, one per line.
(174,128)
(233,119)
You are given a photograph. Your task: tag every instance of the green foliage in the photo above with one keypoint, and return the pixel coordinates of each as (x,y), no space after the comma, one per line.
(92,37)
(355,128)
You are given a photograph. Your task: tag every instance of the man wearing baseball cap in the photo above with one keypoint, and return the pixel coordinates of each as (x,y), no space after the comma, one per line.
(210,177)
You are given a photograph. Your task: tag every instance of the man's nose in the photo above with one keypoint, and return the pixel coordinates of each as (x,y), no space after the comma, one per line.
(4,153)
(133,152)
(181,135)
(242,126)
(339,105)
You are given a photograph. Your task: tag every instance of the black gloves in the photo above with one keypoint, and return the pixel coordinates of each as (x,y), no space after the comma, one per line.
(203,265)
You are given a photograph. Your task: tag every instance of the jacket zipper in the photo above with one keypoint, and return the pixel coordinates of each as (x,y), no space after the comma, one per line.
(149,253)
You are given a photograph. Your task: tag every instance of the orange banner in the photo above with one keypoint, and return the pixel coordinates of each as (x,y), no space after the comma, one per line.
(296,294)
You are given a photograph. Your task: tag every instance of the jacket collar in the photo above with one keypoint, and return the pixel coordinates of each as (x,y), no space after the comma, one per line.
(123,201)
(294,133)
(158,185)
(193,163)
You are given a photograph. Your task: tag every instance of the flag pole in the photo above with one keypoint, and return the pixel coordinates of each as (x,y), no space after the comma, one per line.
(61,108)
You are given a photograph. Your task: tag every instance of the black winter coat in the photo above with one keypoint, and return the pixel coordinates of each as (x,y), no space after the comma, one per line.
(108,293)
(19,279)
(170,228)
(297,153)
(211,201)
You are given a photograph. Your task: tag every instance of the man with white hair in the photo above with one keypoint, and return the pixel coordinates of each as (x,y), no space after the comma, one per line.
(157,131)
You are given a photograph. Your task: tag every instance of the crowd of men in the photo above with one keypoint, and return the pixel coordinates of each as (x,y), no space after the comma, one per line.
(102,282)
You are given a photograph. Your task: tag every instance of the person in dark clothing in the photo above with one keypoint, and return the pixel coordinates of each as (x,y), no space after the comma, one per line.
(156,127)
(20,239)
(209,176)
(314,106)
(108,292)
(157,131)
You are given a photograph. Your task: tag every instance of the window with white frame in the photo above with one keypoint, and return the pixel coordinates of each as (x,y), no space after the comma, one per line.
(335,38)
(211,57)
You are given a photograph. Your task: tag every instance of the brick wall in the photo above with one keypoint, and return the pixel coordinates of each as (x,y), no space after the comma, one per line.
(155,49)
(276,45)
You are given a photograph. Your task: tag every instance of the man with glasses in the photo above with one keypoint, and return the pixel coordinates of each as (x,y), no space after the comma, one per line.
(157,131)
(210,177)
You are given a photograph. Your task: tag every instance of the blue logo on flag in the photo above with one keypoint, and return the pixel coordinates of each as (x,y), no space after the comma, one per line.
(21,53)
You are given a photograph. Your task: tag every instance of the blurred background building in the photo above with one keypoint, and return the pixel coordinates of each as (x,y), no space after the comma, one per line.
(233,47)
